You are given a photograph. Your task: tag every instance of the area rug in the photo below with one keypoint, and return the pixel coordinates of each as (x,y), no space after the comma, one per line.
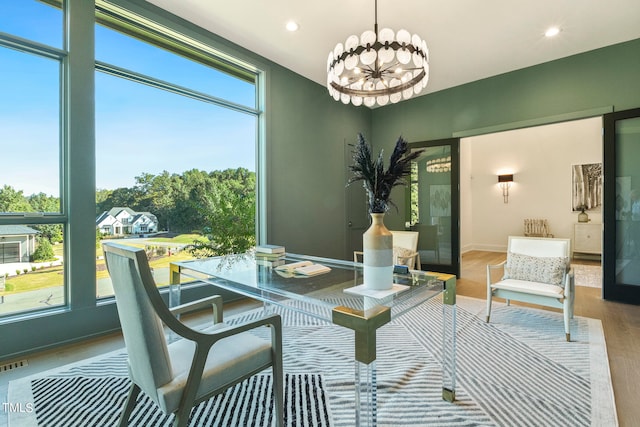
(587,275)
(517,370)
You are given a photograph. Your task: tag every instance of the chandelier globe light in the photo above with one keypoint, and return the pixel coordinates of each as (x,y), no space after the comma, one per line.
(378,67)
(442,164)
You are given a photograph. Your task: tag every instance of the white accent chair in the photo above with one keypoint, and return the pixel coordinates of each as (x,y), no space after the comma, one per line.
(536,271)
(204,363)
(405,249)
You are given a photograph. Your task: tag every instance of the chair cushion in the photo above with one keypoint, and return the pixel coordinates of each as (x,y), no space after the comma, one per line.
(534,288)
(535,269)
(229,359)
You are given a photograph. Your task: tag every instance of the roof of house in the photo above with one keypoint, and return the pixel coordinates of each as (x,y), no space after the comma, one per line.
(13,230)
(115,211)
(149,215)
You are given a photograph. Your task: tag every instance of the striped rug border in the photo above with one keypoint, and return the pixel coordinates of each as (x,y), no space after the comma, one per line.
(410,377)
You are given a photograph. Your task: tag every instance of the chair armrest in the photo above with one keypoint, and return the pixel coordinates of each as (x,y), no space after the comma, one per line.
(208,339)
(491,267)
(214,300)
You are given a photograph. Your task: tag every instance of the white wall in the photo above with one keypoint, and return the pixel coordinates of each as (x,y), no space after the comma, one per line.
(540,159)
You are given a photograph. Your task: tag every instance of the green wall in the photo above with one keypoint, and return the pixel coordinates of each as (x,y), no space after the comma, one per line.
(307,168)
(604,77)
(571,87)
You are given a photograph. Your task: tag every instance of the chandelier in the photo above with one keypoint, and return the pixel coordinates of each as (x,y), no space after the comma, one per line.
(442,164)
(378,67)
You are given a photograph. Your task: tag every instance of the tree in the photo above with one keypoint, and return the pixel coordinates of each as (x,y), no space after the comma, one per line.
(44,251)
(230,228)
(13,201)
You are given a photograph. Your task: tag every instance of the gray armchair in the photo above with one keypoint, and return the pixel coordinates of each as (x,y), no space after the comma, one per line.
(201,364)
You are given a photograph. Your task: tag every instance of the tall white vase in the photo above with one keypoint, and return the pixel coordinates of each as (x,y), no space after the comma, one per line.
(377,243)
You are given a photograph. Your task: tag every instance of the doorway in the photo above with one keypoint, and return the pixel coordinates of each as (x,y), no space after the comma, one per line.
(542,160)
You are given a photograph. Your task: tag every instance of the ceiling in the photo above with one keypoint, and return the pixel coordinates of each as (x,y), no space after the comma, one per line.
(468,40)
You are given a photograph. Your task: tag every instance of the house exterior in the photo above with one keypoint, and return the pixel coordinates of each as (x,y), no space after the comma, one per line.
(120,221)
(17,243)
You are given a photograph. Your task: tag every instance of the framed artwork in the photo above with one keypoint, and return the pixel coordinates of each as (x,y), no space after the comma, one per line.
(586,187)
(440,200)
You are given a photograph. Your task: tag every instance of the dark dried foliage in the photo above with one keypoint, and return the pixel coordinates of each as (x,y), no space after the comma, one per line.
(377,181)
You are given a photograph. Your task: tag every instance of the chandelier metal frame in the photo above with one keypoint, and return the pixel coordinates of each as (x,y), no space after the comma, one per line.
(352,79)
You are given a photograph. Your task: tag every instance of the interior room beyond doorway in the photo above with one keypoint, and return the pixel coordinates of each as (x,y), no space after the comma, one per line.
(542,160)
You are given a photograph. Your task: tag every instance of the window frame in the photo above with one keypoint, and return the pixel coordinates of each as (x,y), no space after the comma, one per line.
(85,315)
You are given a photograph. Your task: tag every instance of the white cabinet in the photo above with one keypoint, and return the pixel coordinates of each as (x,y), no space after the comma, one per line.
(587,238)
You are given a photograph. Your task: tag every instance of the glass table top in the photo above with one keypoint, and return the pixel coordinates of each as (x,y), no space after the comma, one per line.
(315,295)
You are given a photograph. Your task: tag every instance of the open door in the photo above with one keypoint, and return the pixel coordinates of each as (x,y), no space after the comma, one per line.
(433,204)
(621,245)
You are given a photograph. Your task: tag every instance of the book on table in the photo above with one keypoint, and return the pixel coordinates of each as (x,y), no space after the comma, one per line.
(262,255)
(303,268)
(269,262)
(270,249)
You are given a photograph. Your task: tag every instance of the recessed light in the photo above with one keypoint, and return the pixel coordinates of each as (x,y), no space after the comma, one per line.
(552,31)
(292,26)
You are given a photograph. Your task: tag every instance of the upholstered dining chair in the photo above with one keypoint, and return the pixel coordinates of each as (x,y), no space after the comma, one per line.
(405,249)
(201,364)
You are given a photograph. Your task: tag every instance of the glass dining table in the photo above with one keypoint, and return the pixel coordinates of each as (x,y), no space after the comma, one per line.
(337,296)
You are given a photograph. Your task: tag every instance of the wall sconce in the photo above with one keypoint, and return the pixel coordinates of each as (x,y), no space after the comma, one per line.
(505,182)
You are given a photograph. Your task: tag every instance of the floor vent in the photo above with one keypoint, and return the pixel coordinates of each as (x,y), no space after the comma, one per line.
(13,365)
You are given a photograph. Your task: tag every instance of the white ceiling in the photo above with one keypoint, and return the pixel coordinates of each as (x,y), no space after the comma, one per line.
(468,39)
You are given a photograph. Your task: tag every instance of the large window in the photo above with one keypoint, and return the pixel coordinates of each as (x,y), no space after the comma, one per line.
(176,143)
(31,215)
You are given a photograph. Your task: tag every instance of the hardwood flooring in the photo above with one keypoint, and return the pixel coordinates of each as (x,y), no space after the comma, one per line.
(621,323)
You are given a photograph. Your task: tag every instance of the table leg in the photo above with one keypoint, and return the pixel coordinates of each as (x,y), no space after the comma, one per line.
(449,340)
(365,323)
(366,394)
(174,294)
(174,285)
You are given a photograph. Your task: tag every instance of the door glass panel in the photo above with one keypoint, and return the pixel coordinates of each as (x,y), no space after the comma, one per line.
(628,202)
(430,204)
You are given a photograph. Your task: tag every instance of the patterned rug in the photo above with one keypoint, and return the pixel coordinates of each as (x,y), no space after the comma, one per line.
(517,370)
(587,275)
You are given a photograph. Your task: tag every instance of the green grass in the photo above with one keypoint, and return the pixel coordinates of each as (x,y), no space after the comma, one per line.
(33,280)
(184,239)
(53,276)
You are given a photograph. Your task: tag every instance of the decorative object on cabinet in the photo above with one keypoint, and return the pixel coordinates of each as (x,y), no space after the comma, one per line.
(583,216)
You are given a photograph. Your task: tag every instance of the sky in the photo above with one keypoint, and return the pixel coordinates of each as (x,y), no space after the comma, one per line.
(139,129)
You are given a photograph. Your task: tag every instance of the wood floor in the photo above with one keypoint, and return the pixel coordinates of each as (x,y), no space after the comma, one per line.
(621,323)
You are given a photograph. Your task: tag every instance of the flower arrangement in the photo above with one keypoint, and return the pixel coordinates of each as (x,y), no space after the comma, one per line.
(377,181)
